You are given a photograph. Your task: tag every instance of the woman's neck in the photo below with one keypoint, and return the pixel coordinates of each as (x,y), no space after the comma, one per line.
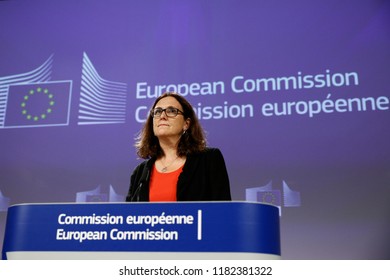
(169,149)
(169,160)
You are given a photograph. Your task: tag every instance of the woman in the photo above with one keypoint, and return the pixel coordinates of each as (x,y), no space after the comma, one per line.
(178,165)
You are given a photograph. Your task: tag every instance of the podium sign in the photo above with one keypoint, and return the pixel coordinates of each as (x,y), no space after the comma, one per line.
(179,230)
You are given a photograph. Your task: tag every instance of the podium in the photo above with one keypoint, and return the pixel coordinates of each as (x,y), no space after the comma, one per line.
(118,231)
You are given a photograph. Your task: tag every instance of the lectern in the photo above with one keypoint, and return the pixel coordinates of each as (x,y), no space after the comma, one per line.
(179,230)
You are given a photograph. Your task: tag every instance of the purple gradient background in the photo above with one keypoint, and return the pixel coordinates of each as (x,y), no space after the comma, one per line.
(340,162)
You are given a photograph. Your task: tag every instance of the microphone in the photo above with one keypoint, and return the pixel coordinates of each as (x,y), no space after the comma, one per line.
(144,178)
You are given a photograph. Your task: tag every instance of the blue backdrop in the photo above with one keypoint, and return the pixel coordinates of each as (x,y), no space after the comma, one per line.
(295,94)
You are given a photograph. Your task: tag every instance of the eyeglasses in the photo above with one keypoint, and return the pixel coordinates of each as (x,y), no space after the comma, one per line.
(170,112)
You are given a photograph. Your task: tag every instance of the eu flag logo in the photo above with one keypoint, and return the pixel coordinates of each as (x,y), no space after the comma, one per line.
(38,104)
(272,197)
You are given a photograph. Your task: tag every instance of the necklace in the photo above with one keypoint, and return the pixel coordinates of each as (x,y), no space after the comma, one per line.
(165,168)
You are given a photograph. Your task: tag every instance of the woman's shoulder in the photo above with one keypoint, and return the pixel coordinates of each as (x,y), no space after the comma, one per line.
(209,152)
(146,163)
(213,150)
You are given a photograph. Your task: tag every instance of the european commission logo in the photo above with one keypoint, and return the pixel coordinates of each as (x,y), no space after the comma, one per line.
(97,195)
(32,99)
(38,104)
(270,195)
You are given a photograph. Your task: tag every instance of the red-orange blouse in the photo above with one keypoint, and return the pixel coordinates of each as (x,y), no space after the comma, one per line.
(163,186)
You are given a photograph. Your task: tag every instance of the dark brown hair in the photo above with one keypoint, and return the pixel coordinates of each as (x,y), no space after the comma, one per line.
(192,141)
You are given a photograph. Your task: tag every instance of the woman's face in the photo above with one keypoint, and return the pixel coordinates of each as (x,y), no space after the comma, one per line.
(169,127)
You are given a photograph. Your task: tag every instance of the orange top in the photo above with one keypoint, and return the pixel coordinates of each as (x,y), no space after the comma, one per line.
(162,186)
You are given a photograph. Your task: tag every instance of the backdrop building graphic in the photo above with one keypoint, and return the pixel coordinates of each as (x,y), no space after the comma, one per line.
(101,101)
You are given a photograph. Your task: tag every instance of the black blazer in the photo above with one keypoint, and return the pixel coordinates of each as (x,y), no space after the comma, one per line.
(204,178)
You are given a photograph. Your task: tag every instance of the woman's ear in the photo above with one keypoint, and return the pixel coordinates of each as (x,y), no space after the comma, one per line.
(187,124)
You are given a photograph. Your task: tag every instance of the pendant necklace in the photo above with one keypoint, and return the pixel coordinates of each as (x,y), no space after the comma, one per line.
(165,168)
